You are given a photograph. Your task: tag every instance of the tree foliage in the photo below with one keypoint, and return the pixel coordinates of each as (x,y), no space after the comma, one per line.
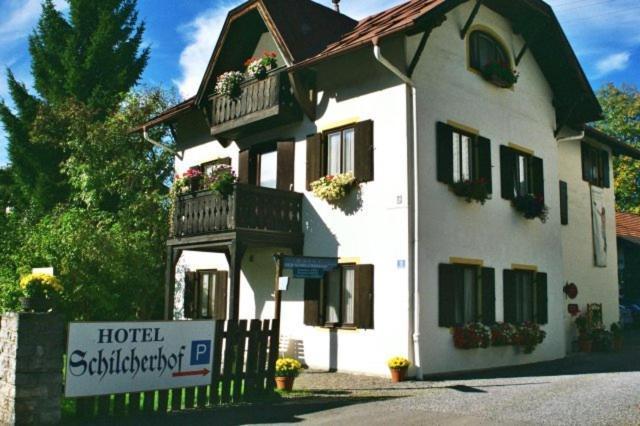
(621,106)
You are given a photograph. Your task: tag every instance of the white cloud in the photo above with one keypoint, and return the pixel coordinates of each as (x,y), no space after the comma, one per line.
(20,18)
(614,62)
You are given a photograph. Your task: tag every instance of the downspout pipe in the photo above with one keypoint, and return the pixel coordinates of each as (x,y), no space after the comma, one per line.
(414,216)
(160,145)
(572,138)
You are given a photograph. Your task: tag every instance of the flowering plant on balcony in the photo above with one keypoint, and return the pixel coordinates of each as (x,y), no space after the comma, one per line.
(531,207)
(471,336)
(334,188)
(500,74)
(529,336)
(504,334)
(471,190)
(228,84)
(190,181)
(259,67)
(221,180)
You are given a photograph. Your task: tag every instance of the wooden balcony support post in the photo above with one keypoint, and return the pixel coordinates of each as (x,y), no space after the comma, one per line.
(234,255)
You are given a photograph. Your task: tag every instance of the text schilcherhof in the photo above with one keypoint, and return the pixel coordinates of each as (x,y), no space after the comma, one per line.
(132,360)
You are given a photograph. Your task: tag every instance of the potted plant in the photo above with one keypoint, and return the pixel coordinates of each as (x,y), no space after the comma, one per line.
(259,68)
(471,336)
(287,369)
(616,332)
(41,292)
(500,74)
(228,84)
(585,340)
(529,336)
(531,207)
(471,190)
(221,180)
(334,189)
(504,334)
(602,340)
(190,181)
(398,367)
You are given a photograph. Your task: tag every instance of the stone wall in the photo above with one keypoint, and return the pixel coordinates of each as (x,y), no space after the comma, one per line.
(31,348)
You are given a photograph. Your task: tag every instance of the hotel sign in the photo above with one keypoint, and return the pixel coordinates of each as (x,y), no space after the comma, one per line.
(116,357)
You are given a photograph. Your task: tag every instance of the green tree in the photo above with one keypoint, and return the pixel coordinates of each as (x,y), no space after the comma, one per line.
(621,106)
(92,58)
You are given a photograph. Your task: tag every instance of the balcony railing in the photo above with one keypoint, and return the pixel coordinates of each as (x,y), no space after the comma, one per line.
(262,104)
(247,208)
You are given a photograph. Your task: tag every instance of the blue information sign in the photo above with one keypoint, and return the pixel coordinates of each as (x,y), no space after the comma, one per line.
(309,267)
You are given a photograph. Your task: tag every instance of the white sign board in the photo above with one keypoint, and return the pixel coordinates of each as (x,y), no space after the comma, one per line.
(116,357)
(46,271)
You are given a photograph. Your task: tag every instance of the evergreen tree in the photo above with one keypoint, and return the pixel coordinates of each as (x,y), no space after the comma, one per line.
(93,58)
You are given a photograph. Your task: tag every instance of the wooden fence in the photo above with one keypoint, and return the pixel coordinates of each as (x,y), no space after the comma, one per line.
(243,368)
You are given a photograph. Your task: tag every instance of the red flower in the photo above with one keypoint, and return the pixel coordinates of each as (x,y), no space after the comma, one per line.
(249,61)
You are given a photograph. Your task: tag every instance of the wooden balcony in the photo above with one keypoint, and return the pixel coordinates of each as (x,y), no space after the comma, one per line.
(248,208)
(263,104)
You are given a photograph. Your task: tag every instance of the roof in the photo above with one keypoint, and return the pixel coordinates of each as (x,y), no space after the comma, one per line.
(309,33)
(628,227)
(169,114)
(617,146)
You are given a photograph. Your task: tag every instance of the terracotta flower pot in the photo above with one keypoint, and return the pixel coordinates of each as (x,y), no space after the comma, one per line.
(285,383)
(398,374)
(586,345)
(617,344)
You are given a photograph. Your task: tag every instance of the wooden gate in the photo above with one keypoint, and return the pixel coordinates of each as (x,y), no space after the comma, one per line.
(243,367)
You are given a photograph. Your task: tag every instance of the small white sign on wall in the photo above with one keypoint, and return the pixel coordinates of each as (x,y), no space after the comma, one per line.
(116,357)
(283,283)
(46,271)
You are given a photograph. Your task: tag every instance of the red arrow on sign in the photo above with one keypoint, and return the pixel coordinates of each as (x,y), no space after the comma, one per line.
(202,372)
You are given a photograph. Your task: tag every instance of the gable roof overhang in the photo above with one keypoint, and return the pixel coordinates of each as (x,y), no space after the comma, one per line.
(617,146)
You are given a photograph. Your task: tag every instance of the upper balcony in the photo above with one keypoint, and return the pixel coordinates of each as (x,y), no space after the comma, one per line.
(263,104)
(248,208)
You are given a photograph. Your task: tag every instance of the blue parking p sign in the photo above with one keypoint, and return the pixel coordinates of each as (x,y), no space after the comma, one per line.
(200,352)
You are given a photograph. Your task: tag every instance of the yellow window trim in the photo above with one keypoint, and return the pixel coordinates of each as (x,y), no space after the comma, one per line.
(463,127)
(347,260)
(521,148)
(522,267)
(466,261)
(341,123)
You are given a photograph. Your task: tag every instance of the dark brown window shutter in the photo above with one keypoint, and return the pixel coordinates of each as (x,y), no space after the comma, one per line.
(484,162)
(220,309)
(584,150)
(537,170)
(564,203)
(363,151)
(446,295)
(286,161)
(363,303)
(190,285)
(315,163)
(444,152)
(488,295)
(312,307)
(542,314)
(507,172)
(243,166)
(606,179)
(509,293)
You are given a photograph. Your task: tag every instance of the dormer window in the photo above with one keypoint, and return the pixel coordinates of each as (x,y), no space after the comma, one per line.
(489,57)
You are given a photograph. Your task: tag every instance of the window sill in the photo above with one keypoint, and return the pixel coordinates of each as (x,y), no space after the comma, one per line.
(339,327)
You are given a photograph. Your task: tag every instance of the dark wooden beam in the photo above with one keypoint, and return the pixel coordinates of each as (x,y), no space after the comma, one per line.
(234,258)
(567,117)
(522,52)
(474,12)
(423,42)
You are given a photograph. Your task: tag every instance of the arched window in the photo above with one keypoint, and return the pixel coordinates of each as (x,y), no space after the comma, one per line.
(488,56)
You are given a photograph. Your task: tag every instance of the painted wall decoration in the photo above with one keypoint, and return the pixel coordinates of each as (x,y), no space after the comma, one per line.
(599,215)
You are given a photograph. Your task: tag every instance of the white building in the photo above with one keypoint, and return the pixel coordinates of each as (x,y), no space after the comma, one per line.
(412,101)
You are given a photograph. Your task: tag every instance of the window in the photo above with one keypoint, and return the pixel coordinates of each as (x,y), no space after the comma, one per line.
(484,50)
(466,294)
(462,156)
(343,298)
(269,165)
(525,296)
(341,150)
(521,174)
(205,294)
(595,165)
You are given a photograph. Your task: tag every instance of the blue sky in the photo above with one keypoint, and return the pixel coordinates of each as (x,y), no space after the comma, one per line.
(182,33)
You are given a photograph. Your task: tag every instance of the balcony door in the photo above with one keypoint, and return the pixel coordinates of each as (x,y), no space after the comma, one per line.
(268,165)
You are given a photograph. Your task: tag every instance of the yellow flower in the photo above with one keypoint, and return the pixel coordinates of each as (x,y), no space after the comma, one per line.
(398,362)
(287,367)
(39,279)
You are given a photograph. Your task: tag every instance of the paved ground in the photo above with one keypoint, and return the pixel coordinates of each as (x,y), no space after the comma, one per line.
(585,389)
